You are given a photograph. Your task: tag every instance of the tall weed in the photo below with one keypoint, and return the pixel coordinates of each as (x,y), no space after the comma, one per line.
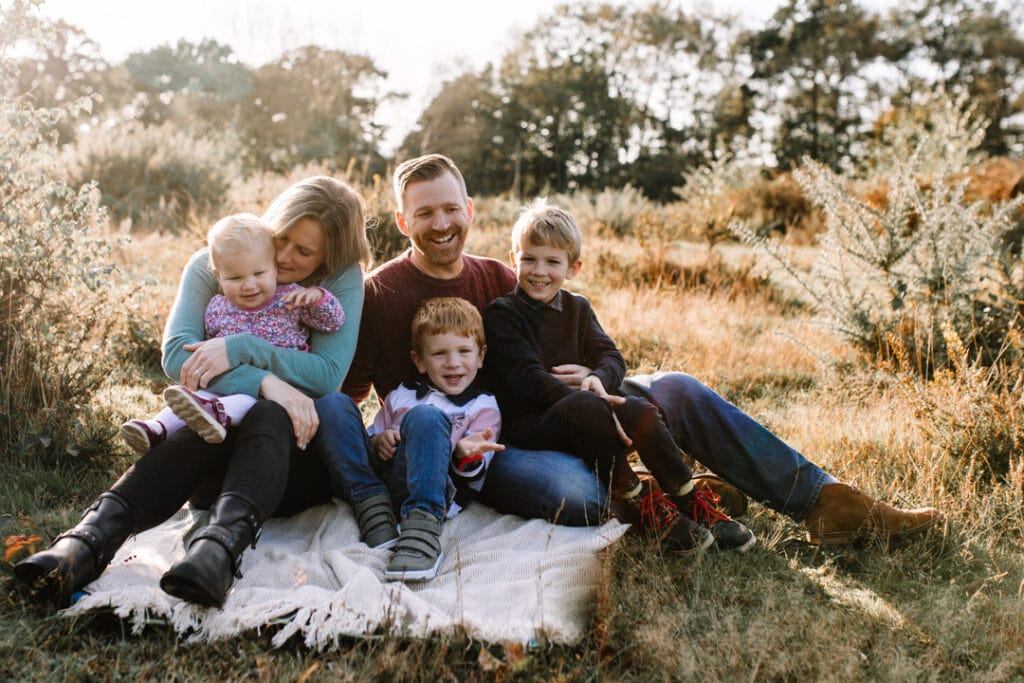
(899,263)
(155,176)
(58,290)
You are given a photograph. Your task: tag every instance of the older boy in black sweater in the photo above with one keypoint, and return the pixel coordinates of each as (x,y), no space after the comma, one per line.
(539,326)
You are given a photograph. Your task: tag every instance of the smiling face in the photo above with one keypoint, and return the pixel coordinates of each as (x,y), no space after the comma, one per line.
(436,216)
(300,251)
(247,276)
(541,270)
(449,360)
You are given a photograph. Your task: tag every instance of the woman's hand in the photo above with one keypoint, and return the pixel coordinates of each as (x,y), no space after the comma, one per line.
(209,358)
(385,443)
(300,408)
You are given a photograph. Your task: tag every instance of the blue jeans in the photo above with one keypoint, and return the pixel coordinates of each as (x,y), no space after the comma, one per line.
(417,477)
(557,486)
(732,444)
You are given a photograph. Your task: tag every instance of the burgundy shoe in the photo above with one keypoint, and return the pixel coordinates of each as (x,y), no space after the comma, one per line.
(140,436)
(205,416)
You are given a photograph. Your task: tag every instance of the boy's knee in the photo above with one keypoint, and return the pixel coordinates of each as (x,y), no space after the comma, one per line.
(425,416)
(587,403)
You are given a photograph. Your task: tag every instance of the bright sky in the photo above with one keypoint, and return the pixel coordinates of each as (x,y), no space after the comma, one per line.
(417,43)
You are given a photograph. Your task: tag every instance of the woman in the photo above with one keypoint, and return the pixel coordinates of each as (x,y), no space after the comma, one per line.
(260,469)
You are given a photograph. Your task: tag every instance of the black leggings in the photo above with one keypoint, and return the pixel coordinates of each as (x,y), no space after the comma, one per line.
(258,461)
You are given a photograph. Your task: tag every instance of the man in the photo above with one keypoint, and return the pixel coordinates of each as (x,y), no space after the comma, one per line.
(436,212)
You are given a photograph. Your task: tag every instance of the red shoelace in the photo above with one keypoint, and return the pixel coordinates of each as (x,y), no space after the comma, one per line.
(705,508)
(657,511)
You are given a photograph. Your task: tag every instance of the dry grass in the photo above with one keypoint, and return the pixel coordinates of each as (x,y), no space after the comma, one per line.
(946,607)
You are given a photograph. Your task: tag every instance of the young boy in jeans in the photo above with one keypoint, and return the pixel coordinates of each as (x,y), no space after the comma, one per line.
(429,444)
(538,326)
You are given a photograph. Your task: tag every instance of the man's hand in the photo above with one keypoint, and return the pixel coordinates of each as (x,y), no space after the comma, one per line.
(573,375)
(385,443)
(208,360)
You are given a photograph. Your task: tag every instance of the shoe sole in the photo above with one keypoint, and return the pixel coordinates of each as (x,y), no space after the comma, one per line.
(751,542)
(386,545)
(188,591)
(194,415)
(842,538)
(414,574)
(136,437)
(706,543)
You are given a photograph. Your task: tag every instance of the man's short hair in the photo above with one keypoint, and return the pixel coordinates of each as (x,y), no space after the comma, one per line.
(426,167)
(446,315)
(544,225)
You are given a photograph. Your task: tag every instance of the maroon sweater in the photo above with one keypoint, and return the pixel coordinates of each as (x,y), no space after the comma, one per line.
(393,293)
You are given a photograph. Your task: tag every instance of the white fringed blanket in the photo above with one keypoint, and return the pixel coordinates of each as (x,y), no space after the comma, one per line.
(503,579)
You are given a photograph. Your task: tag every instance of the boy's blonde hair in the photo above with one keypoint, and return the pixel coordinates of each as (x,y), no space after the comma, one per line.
(426,167)
(544,225)
(338,208)
(239,232)
(449,314)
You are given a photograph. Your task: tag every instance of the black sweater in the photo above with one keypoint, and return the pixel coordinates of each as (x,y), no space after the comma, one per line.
(525,339)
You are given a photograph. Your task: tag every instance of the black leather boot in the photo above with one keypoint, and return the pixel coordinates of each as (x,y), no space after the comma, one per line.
(214,556)
(80,554)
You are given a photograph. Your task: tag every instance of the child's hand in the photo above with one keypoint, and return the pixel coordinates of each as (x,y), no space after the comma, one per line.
(305,296)
(470,449)
(592,383)
(385,443)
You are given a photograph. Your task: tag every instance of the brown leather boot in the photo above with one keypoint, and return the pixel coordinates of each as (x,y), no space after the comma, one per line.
(843,514)
(732,501)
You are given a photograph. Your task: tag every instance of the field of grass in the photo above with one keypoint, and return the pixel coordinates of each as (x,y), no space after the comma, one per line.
(948,607)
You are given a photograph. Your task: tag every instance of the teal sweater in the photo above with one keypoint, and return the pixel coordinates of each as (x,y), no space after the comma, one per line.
(316,372)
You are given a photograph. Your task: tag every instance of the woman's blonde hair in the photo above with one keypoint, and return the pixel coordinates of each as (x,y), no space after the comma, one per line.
(338,208)
(237,232)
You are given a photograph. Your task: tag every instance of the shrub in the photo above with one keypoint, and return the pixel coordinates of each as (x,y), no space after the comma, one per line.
(899,263)
(154,176)
(58,287)
(972,415)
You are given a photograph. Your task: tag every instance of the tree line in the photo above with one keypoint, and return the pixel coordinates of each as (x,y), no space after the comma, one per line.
(594,95)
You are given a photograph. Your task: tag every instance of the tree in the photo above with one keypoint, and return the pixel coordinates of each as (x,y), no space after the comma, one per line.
(466,122)
(972,48)
(190,83)
(60,65)
(809,65)
(314,104)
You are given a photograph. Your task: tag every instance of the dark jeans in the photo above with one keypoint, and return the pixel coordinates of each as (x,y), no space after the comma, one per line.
(582,425)
(258,460)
